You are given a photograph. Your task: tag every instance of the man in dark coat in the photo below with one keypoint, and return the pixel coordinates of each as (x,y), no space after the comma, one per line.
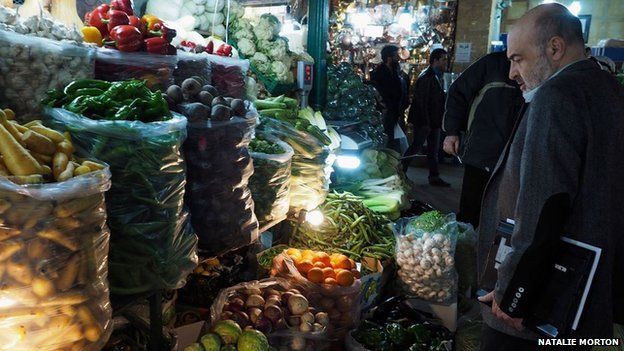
(391,84)
(560,174)
(426,114)
(481,107)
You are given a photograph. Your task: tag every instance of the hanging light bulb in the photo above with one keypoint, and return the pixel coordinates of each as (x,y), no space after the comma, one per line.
(360,18)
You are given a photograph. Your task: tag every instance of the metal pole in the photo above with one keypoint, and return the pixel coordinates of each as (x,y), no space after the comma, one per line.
(318,28)
(156,322)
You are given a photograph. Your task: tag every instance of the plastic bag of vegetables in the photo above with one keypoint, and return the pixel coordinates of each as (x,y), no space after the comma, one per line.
(219,167)
(155,70)
(270,181)
(273,306)
(152,243)
(192,65)
(53,253)
(30,66)
(310,170)
(425,253)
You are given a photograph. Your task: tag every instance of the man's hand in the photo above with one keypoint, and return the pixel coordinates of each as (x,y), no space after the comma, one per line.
(451,145)
(513,322)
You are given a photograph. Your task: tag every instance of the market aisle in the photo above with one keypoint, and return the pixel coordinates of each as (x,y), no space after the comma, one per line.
(444,199)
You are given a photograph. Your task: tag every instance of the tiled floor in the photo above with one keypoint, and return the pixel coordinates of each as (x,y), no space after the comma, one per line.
(444,199)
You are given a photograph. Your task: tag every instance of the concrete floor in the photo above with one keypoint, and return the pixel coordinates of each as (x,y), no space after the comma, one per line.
(443,199)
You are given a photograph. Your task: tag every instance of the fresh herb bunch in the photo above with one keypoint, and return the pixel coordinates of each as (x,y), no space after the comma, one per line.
(264,146)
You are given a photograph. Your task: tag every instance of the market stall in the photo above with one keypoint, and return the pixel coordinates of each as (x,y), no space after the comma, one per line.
(166,185)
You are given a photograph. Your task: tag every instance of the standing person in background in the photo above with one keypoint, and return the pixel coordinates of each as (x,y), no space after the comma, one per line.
(482,104)
(426,114)
(391,84)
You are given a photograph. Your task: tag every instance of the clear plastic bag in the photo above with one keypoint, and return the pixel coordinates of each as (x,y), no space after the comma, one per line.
(341,303)
(270,182)
(152,243)
(309,182)
(30,66)
(219,167)
(53,265)
(156,70)
(228,78)
(192,65)
(282,334)
(426,259)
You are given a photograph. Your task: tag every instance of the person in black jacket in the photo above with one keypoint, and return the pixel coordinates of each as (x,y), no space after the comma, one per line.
(481,104)
(391,84)
(426,114)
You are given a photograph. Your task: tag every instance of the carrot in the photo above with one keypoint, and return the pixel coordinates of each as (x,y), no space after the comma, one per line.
(50,133)
(16,158)
(20,128)
(67,173)
(81,170)
(65,147)
(93,166)
(59,164)
(9,113)
(38,143)
(43,159)
(10,127)
(69,274)
(35,122)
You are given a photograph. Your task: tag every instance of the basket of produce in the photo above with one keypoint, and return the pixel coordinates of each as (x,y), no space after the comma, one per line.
(219,166)
(274,307)
(425,253)
(152,243)
(54,244)
(30,66)
(270,181)
(331,282)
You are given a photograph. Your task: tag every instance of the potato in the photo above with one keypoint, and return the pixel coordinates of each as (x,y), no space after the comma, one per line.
(42,287)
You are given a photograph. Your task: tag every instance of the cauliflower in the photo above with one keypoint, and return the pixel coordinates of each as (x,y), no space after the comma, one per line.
(276,50)
(263,31)
(261,62)
(236,11)
(280,71)
(304,56)
(241,24)
(272,22)
(243,34)
(246,47)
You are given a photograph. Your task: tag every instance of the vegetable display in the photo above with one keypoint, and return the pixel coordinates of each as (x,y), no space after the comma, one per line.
(425,255)
(322,268)
(350,100)
(219,167)
(228,335)
(53,259)
(128,100)
(29,66)
(395,325)
(152,243)
(349,228)
(43,26)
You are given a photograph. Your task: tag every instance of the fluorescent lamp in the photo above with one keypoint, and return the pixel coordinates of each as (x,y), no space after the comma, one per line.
(348,161)
(315,217)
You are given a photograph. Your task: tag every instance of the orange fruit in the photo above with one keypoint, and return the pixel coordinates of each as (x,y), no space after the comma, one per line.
(328,272)
(315,275)
(307,254)
(341,261)
(345,278)
(319,264)
(356,273)
(330,281)
(293,252)
(304,266)
(353,265)
(322,257)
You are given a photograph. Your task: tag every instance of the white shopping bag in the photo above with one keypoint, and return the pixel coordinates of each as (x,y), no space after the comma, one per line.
(400,134)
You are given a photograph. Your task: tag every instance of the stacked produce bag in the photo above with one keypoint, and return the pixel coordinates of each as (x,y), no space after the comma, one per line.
(152,243)
(270,182)
(54,242)
(348,99)
(38,54)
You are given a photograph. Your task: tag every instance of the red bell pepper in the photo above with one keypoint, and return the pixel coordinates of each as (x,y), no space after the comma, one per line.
(126,38)
(224,50)
(117,18)
(98,18)
(161,30)
(87,17)
(139,23)
(210,47)
(123,5)
(151,21)
(156,45)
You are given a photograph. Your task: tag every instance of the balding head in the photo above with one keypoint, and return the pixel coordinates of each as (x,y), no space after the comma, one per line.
(547,38)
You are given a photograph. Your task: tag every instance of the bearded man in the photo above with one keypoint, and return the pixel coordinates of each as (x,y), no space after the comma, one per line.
(560,174)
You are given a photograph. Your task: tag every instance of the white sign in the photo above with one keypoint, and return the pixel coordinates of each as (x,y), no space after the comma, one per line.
(462,52)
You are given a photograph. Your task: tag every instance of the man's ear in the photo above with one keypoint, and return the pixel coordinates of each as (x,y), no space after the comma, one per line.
(557,48)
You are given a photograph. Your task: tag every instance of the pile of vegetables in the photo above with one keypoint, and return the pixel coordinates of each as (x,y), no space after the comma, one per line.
(117,27)
(322,268)
(425,255)
(42,25)
(53,246)
(202,103)
(350,100)
(394,325)
(152,243)
(261,44)
(270,181)
(219,168)
(34,154)
(349,227)
(128,100)
(227,335)
(380,181)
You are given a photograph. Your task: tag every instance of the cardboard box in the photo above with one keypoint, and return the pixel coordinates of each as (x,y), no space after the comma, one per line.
(188,334)
(373,283)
